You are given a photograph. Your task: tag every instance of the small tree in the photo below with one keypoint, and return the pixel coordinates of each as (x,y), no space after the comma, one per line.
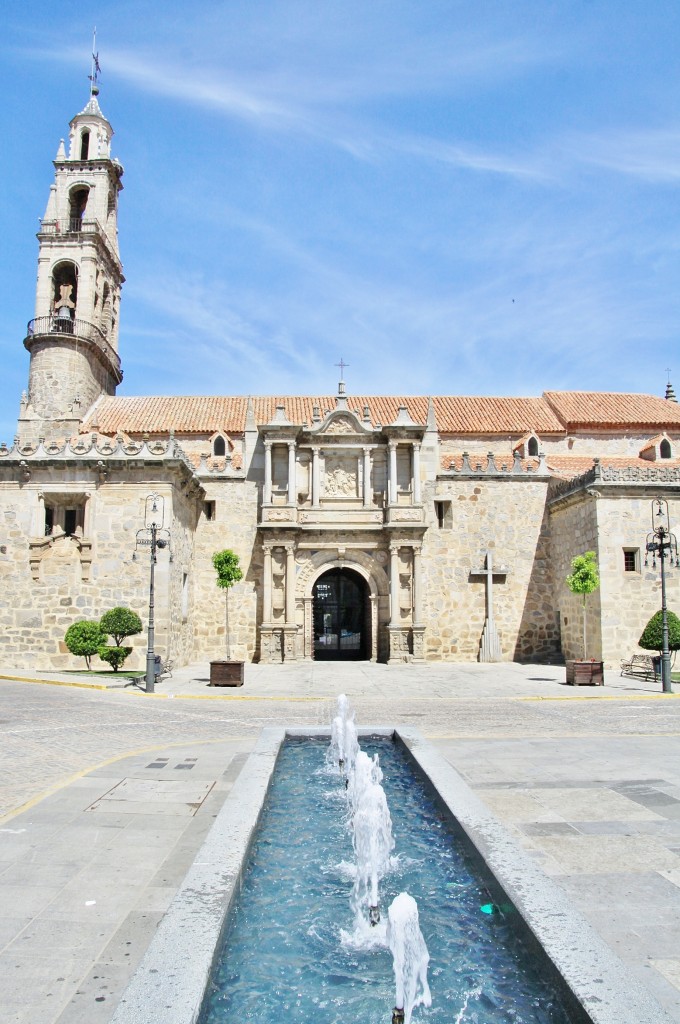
(84,638)
(115,656)
(226,564)
(118,623)
(583,579)
(652,634)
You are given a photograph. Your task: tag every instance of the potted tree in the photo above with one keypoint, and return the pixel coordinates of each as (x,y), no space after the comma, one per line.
(584,579)
(226,672)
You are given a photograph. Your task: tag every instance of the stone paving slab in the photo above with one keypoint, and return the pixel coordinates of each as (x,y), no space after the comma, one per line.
(600,765)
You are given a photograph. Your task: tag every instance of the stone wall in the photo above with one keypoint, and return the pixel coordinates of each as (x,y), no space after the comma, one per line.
(60,372)
(573,531)
(234,526)
(629,599)
(506,516)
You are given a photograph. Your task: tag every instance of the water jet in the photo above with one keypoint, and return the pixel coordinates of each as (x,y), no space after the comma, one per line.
(170,984)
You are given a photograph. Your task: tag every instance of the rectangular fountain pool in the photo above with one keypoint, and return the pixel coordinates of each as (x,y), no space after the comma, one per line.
(255,932)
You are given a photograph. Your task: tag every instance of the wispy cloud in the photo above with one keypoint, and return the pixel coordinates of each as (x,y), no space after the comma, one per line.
(652,155)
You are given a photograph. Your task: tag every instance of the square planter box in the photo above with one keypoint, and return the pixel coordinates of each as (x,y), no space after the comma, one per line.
(585,673)
(226,673)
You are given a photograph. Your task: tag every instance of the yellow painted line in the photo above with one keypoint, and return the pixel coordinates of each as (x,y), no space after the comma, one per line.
(56,682)
(221,696)
(602,696)
(103,764)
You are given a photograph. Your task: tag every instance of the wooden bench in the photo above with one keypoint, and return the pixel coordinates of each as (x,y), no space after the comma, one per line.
(641,666)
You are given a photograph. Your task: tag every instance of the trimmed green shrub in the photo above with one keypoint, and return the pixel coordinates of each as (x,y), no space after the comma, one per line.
(115,656)
(84,638)
(119,623)
(652,634)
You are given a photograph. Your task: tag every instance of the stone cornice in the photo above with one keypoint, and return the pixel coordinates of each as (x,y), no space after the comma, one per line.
(615,478)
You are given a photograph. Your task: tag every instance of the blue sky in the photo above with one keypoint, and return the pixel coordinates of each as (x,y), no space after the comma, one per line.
(474,197)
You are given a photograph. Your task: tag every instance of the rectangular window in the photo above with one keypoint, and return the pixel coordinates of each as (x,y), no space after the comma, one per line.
(209,510)
(442,511)
(631,559)
(62,517)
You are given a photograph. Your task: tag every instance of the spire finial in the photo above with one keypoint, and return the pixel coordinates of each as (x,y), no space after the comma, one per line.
(670,393)
(96,70)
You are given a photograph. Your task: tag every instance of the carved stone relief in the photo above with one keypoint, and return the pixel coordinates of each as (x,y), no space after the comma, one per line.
(341,476)
(341,425)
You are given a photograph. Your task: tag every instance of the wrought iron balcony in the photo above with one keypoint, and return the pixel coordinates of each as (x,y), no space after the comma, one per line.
(71,225)
(80,330)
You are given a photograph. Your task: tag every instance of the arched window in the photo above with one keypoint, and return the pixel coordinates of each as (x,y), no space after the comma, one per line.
(665,449)
(65,296)
(85,144)
(219,446)
(77,203)
(532,447)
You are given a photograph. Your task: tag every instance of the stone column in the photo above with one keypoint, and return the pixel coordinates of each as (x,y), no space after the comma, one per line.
(416,474)
(39,521)
(394,585)
(367,477)
(417,586)
(290,585)
(292,497)
(267,495)
(392,474)
(267,586)
(315,477)
(290,627)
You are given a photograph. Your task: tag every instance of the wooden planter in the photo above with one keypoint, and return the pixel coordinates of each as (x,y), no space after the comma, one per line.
(226,673)
(585,673)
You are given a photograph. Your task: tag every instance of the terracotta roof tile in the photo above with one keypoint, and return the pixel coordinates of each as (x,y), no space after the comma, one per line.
(480,415)
(610,409)
(555,412)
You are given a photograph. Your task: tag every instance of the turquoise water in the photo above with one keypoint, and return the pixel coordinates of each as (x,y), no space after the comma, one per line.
(283,958)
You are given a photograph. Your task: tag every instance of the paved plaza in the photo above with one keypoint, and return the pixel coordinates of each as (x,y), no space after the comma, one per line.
(107,793)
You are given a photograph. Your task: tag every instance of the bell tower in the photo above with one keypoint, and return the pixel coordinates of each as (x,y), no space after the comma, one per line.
(73,337)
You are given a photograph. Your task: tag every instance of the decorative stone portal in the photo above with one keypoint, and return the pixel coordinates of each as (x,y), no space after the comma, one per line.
(340,616)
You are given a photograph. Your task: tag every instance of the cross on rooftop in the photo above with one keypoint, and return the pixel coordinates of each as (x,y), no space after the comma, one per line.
(343,365)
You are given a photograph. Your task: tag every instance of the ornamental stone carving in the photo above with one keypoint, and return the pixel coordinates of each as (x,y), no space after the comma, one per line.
(341,476)
(341,425)
(279,515)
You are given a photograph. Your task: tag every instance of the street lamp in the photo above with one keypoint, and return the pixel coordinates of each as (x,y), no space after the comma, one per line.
(157,537)
(663,543)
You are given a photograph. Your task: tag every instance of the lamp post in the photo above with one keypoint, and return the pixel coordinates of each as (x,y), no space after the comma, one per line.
(663,543)
(154,512)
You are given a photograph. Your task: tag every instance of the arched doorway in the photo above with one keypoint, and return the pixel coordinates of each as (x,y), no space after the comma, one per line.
(340,616)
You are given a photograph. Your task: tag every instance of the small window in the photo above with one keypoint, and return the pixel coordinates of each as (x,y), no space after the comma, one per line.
(84,145)
(631,559)
(532,447)
(209,510)
(68,519)
(665,449)
(219,446)
(442,511)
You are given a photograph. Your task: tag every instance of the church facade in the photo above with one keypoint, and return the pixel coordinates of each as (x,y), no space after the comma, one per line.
(389,528)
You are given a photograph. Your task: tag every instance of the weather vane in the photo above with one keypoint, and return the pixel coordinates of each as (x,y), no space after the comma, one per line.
(96,70)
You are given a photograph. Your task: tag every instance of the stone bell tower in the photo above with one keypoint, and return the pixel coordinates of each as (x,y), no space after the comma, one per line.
(73,338)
